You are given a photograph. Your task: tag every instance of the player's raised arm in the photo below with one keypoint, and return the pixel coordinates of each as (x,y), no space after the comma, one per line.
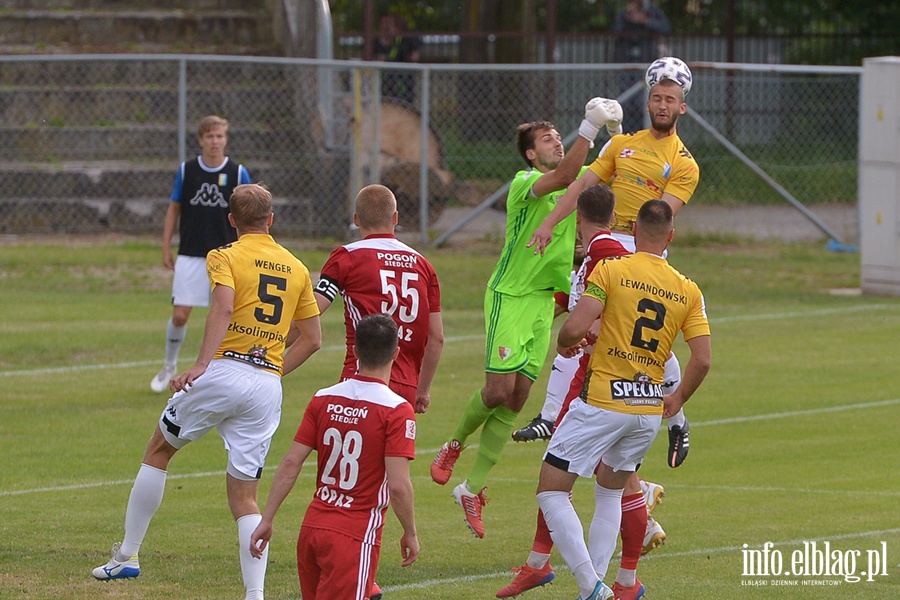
(598,112)
(543,235)
(566,171)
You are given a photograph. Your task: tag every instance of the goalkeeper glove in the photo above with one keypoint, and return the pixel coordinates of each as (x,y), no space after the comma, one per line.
(597,113)
(614,122)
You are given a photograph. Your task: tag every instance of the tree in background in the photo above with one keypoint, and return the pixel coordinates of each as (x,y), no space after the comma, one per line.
(833,31)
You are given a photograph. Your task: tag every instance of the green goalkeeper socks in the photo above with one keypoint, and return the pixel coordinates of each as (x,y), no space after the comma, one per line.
(494,435)
(473,416)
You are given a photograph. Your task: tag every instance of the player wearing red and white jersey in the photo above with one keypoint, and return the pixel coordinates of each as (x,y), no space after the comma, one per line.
(364,435)
(379,273)
(260,293)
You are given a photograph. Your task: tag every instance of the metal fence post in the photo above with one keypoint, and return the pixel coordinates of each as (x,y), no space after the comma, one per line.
(423,163)
(182,110)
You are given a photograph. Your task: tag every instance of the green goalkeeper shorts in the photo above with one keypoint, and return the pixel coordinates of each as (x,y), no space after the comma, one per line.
(518,332)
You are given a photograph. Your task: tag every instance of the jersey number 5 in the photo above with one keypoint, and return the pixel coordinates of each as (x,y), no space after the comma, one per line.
(266,282)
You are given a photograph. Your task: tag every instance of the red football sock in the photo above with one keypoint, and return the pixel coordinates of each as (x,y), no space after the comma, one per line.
(633,528)
(543,543)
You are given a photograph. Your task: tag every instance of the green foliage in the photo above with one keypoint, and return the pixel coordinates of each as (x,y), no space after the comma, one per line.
(813,177)
(584,16)
(822,32)
(417,14)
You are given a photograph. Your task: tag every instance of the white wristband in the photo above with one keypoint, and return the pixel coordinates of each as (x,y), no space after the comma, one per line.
(588,131)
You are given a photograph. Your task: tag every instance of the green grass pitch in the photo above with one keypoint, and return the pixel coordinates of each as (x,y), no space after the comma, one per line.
(793,435)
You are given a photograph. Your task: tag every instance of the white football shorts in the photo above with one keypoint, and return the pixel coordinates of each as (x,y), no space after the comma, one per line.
(242,401)
(190,286)
(587,433)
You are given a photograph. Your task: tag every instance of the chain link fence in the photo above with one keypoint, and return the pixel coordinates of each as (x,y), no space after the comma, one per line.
(92,143)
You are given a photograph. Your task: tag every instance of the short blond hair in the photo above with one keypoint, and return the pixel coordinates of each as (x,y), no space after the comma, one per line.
(251,205)
(208,122)
(375,207)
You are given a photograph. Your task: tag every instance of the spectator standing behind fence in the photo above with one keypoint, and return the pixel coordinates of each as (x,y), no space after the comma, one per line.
(199,208)
(639,29)
(392,45)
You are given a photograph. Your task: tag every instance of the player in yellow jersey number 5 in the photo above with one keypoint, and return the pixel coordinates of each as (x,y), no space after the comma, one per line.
(260,292)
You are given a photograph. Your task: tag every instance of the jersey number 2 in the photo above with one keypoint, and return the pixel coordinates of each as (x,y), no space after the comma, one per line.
(655,324)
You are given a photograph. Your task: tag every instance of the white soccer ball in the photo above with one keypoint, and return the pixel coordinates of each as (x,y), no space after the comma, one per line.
(669,67)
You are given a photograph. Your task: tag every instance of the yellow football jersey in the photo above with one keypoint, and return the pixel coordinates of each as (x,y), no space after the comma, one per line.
(640,167)
(646,303)
(271,287)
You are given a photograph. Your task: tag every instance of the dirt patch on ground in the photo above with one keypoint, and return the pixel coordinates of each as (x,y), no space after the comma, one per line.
(774,222)
(755,222)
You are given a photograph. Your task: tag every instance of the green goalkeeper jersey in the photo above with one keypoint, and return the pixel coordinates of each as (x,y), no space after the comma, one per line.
(520,271)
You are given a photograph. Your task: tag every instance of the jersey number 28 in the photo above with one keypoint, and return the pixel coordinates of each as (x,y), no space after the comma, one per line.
(345,453)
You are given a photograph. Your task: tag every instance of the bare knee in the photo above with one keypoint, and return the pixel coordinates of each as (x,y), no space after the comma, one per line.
(633,486)
(159,452)
(242,496)
(518,398)
(180,315)
(613,480)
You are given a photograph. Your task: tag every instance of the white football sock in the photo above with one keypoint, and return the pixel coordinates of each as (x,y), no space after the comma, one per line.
(568,535)
(146,496)
(626,577)
(558,385)
(252,569)
(174,338)
(672,379)
(536,560)
(677,419)
(604,530)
